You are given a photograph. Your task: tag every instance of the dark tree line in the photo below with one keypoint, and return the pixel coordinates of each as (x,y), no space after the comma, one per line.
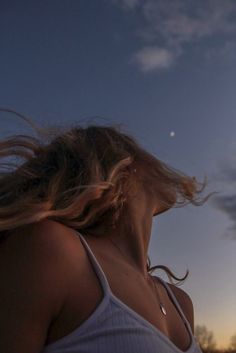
(207,343)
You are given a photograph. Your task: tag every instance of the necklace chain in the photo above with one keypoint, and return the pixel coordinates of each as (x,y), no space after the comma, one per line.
(161,306)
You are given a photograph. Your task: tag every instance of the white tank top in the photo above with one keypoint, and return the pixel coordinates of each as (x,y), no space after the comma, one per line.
(114,327)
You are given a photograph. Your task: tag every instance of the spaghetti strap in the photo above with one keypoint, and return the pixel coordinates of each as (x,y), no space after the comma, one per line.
(114,326)
(99,271)
(107,290)
(172,295)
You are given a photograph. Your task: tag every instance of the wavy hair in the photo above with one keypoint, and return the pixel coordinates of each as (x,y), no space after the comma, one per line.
(80,177)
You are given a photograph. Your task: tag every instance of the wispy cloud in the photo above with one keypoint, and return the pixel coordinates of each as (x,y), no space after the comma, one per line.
(126,4)
(225,53)
(151,58)
(168,26)
(227,203)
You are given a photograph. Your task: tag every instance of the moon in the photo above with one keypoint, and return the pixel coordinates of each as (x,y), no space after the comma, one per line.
(172,134)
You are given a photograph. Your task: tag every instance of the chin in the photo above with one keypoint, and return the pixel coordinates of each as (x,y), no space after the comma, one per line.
(157,213)
(161,211)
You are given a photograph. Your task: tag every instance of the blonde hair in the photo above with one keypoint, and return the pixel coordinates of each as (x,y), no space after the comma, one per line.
(79,176)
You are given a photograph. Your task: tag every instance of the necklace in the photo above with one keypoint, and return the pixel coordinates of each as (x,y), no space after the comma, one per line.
(161,305)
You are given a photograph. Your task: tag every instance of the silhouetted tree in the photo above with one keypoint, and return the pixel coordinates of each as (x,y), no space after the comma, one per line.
(205,338)
(233,342)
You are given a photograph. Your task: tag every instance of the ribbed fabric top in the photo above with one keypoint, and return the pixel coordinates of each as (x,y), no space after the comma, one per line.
(114,327)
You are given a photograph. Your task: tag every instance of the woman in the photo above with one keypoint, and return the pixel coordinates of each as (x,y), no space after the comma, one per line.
(75,227)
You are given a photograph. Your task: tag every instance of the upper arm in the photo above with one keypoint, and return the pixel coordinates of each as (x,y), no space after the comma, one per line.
(33,287)
(186,304)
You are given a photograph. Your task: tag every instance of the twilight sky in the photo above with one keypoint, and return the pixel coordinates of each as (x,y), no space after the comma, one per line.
(156,66)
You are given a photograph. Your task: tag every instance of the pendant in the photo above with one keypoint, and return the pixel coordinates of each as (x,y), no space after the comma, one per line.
(162,309)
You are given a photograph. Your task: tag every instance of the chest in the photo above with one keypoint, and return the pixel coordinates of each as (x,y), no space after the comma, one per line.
(86,293)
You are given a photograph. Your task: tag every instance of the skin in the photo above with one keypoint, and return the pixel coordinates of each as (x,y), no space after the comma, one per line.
(143,205)
(62,305)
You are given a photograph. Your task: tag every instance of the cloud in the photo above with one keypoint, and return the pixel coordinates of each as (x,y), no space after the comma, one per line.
(151,58)
(171,25)
(225,53)
(181,21)
(227,203)
(126,4)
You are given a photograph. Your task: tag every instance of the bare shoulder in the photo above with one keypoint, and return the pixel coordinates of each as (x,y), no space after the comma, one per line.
(45,246)
(48,244)
(36,268)
(45,229)
(185,302)
(46,237)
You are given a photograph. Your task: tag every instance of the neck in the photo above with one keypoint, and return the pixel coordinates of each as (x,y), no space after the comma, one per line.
(133,245)
(130,236)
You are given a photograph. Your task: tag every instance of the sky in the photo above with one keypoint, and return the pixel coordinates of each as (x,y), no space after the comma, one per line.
(165,70)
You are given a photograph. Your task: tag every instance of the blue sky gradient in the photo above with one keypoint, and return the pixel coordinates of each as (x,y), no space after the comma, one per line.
(156,67)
